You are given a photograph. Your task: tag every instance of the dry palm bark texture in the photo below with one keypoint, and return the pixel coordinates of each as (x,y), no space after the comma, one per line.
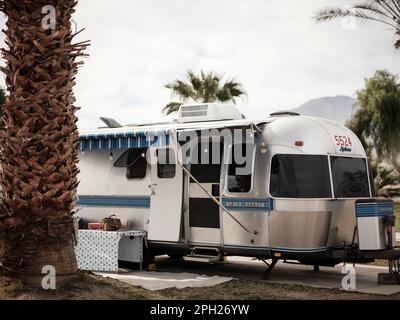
(39,139)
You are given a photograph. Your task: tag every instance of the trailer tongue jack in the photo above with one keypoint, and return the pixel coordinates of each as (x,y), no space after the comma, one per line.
(393,277)
(270,267)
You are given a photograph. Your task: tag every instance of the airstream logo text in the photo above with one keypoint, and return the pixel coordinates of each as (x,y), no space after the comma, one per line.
(345,149)
(258,205)
(246,204)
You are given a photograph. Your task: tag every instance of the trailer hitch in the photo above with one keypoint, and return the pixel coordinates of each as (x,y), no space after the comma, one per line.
(393,276)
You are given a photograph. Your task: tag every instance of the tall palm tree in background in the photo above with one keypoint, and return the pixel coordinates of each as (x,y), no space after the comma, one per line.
(386,12)
(203,88)
(39,140)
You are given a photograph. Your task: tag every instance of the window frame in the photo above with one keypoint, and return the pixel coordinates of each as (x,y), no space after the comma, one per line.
(333,195)
(368,176)
(197,143)
(230,148)
(302,199)
(158,164)
(127,167)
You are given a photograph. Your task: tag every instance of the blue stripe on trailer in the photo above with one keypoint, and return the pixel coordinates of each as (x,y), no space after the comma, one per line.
(110,201)
(374,209)
(248,204)
(235,246)
(304,250)
(123,139)
(280,249)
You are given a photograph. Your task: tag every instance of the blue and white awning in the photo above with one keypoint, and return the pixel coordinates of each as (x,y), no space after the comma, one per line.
(123,139)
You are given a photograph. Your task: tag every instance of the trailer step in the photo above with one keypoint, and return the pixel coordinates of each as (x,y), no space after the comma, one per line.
(202,258)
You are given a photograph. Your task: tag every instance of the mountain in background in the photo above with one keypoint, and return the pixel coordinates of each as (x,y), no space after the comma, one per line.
(337,108)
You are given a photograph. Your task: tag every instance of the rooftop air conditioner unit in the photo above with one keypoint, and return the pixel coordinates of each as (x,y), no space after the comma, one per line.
(208,112)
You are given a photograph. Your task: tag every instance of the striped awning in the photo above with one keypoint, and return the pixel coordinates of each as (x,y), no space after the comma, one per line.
(123,139)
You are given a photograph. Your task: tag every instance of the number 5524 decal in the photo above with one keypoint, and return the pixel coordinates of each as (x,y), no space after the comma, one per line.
(343,143)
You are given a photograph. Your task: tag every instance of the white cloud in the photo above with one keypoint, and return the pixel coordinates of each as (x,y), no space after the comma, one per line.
(273,47)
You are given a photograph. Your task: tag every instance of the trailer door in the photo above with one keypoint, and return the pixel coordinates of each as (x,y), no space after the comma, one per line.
(166,195)
(204,213)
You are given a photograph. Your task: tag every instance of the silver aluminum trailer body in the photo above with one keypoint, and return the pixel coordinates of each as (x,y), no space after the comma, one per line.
(308,197)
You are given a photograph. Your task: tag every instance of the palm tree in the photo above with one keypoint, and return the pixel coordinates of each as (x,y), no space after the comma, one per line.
(203,88)
(383,11)
(39,142)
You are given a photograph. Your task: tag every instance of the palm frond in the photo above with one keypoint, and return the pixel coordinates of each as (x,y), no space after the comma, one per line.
(372,9)
(384,11)
(194,80)
(392,7)
(363,12)
(180,89)
(396,5)
(230,91)
(171,107)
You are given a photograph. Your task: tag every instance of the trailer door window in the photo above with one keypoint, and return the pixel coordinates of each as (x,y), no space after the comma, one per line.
(166,163)
(134,160)
(350,177)
(300,176)
(240,168)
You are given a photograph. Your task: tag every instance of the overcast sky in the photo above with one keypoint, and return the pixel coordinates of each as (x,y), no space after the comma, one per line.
(273,47)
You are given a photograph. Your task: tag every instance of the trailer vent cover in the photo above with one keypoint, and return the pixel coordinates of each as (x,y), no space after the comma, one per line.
(208,112)
(194,111)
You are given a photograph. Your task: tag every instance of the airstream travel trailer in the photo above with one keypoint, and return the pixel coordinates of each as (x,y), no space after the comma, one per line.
(304,193)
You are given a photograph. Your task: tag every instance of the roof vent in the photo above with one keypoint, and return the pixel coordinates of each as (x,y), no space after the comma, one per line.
(208,112)
(110,122)
(284,114)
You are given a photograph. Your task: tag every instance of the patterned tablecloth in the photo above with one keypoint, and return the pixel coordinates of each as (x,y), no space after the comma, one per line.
(99,250)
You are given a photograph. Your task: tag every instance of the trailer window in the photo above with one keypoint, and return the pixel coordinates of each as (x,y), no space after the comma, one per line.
(205,162)
(300,176)
(240,168)
(350,177)
(134,160)
(165,163)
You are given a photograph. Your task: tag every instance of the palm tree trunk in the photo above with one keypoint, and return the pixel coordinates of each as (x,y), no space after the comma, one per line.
(39,140)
